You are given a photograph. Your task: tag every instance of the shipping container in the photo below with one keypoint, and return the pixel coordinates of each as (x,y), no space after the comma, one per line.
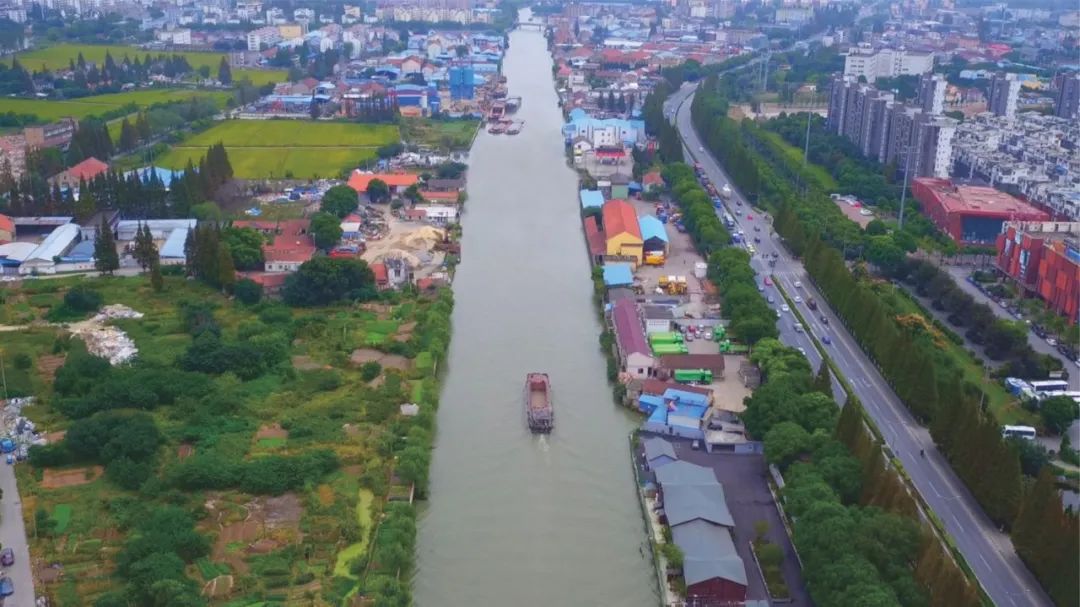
(693,375)
(665,337)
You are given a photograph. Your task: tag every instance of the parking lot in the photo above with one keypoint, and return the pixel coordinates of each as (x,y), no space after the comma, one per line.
(680,259)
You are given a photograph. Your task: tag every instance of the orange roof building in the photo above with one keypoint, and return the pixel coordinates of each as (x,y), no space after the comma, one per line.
(396,181)
(622,232)
(7,229)
(84,171)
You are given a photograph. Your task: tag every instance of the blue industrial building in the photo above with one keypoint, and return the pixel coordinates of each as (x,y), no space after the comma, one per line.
(462,82)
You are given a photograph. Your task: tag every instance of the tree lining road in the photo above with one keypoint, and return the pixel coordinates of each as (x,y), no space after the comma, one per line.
(988,551)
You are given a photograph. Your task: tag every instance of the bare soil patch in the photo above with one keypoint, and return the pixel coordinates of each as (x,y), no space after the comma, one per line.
(55,479)
(55,437)
(388,361)
(273,430)
(48,364)
(185,451)
(219,587)
(304,363)
(326,495)
(48,575)
(281,510)
(355,470)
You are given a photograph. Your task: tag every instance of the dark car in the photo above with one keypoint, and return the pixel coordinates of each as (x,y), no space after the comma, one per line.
(824,320)
(7,587)
(7,557)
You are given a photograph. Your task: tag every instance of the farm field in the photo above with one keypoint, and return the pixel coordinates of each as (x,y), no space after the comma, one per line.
(270,537)
(99,104)
(59,57)
(439,134)
(276,149)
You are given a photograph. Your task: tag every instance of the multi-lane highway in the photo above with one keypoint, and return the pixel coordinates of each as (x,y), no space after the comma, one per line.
(987,550)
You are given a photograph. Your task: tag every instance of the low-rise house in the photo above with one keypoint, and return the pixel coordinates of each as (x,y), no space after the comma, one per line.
(7,229)
(84,171)
(658,452)
(42,260)
(290,247)
(397,182)
(632,349)
(622,231)
(668,364)
(658,319)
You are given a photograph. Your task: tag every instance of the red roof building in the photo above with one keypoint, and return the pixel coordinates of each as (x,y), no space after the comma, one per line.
(291,245)
(396,181)
(595,239)
(971,215)
(7,229)
(382,280)
(652,180)
(1045,262)
(84,171)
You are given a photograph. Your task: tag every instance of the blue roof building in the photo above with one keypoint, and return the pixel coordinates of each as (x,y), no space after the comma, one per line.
(591,199)
(653,234)
(618,275)
(581,124)
(166,176)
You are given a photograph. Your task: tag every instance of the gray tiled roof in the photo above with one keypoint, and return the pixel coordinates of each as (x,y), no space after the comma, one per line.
(708,552)
(684,503)
(656,447)
(685,473)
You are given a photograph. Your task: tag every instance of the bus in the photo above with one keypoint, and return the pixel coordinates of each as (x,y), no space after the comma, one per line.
(729,221)
(1050,385)
(1024,432)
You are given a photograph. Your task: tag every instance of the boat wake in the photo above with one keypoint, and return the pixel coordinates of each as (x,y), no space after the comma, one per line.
(545,446)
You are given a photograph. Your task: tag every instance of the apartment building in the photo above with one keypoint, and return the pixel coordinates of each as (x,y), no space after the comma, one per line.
(1067,100)
(872,64)
(1004,93)
(888,131)
(932,93)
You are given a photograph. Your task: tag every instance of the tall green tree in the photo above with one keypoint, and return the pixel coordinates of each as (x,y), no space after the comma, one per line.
(106,258)
(144,250)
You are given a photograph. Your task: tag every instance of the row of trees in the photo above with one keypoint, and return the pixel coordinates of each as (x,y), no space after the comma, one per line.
(1002,339)
(858,536)
(903,347)
(136,195)
(669,146)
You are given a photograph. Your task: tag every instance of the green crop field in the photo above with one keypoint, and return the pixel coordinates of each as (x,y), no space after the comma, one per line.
(60,56)
(277,149)
(99,104)
(62,516)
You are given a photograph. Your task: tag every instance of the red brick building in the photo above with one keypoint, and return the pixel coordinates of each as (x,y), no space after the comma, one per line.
(1044,259)
(971,215)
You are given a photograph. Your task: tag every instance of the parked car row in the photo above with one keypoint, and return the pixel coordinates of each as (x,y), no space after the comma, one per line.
(1013,308)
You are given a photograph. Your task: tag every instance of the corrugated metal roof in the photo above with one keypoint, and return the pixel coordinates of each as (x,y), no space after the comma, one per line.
(684,503)
(591,198)
(685,473)
(17,251)
(708,552)
(651,227)
(84,251)
(628,331)
(173,247)
(55,244)
(657,447)
(618,274)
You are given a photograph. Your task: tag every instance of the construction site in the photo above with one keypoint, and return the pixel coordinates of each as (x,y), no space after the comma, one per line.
(423,248)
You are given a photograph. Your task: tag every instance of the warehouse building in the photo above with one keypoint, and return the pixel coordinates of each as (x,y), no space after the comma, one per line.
(622,232)
(971,215)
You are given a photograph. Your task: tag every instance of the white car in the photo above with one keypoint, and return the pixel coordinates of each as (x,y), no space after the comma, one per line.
(802,350)
(701,148)
(785,308)
(707,336)
(1050,341)
(798,285)
(798,299)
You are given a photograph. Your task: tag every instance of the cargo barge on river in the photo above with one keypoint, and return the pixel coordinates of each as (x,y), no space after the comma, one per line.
(538,409)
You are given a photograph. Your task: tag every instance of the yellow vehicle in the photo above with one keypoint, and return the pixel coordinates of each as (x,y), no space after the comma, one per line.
(673,285)
(654,259)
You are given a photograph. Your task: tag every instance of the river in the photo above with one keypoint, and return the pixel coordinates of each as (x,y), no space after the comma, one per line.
(512,518)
